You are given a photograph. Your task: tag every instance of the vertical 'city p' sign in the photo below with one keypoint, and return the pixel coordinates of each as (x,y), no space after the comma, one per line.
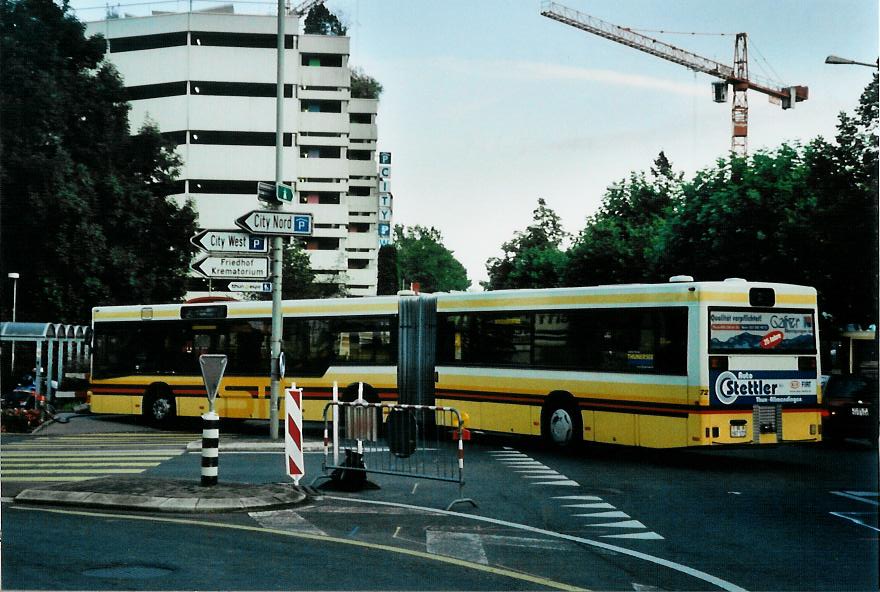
(213,366)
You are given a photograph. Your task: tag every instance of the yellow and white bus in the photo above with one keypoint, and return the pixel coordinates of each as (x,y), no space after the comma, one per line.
(145,359)
(657,365)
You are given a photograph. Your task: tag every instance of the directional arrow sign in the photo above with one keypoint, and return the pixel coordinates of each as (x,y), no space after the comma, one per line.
(230,241)
(250,286)
(276,223)
(219,267)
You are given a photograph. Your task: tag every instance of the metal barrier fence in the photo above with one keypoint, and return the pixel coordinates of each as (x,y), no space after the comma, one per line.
(418,441)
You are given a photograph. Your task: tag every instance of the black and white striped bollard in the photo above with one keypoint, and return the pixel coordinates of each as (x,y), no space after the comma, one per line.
(210,448)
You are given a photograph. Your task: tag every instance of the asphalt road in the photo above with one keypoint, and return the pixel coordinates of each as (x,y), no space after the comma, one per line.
(788,518)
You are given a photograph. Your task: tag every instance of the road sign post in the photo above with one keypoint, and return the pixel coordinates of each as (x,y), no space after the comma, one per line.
(213,366)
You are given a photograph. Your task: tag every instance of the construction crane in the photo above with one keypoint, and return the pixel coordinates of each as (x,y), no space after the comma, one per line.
(737,77)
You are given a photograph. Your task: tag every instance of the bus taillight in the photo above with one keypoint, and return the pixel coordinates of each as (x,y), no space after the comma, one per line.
(718,363)
(806,363)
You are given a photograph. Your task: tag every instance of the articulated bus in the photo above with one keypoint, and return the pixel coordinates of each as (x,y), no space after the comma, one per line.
(656,365)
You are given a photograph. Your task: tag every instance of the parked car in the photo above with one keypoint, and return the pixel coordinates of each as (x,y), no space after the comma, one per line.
(21,397)
(852,403)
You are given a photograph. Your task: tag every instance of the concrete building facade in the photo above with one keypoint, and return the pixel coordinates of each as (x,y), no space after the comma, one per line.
(208,80)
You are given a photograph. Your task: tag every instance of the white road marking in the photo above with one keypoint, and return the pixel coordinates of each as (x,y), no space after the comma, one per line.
(461,545)
(645,536)
(566,483)
(578,497)
(851,516)
(598,506)
(681,568)
(535,470)
(545,476)
(616,514)
(624,524)
(855,495)
(286,520)
(527,542)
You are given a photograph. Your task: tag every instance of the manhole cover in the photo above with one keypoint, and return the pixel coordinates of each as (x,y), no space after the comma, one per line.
(132,572)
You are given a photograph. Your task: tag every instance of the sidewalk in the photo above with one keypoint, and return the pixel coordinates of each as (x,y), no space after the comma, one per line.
(167,495)
(170,495)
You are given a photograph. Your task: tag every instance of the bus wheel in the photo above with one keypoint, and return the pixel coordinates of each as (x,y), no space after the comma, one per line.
(159,406)
(561,423)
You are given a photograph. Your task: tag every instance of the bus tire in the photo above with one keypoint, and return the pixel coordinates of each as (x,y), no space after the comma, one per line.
(159,408)
(561,424)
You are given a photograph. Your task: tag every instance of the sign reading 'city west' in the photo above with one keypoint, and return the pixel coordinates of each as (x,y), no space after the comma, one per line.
(276,223)
(219,267)
(229,241)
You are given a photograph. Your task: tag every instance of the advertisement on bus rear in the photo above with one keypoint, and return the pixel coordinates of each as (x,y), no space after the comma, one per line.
(757,332)
(763,387)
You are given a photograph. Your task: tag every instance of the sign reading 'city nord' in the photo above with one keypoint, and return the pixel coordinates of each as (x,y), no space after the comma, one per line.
(276,223)
(219,267)
(230,241)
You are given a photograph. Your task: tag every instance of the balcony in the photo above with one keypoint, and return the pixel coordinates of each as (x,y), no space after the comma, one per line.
(322,168)
(364,131)
(362,240)
(324,44)
(328,260)
(324,76)
(330,123)
(362,168)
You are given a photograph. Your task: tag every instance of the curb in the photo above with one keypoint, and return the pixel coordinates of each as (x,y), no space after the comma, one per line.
(154,503)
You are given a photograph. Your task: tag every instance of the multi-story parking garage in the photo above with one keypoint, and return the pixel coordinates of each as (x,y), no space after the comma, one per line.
(208,80)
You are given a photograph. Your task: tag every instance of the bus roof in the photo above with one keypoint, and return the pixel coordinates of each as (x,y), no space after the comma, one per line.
(374,305)
(721,293)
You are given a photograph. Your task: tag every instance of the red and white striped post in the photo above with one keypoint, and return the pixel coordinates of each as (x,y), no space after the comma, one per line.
(293,449)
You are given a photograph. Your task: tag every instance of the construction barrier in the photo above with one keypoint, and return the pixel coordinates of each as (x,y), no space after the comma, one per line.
(417,441)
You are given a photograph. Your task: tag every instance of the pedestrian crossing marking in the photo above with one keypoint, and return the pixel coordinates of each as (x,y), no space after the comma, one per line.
(540,474)
(87,456)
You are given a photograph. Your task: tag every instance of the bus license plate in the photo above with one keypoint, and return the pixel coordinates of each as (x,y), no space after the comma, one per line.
(860,411)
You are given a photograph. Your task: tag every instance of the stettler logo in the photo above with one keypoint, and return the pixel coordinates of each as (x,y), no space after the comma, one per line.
(723,390)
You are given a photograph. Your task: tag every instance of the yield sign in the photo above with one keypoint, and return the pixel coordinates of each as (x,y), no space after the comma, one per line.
(213,366)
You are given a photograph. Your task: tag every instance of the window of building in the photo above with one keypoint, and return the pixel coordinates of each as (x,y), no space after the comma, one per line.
(142,42)
(358,263)
(320,106)
(322,243)
(320,152)
(360,154)
(358,227)
(326,60)
(254,40)
(154,91)
(355,190)
(237,89)
(360,118)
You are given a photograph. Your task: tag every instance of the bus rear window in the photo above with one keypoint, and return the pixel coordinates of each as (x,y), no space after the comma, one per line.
(747,330)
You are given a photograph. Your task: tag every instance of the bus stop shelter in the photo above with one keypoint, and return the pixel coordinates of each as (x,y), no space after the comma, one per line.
(56,343)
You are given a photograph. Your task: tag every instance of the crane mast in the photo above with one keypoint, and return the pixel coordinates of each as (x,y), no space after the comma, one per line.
(737,76)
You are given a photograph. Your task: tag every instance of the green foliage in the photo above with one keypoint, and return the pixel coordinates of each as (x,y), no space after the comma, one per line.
(533,258)
(364,86)
(803,214)
(85,219)
(422,258)
(619,244)
(298,281)
(388,273)
(320,21)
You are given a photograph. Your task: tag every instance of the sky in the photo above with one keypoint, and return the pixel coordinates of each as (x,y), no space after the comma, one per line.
(488,106)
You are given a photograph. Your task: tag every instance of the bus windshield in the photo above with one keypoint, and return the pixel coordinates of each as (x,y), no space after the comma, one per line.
(762,331)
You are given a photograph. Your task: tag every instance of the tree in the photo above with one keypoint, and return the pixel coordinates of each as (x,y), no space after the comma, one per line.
(388,273)
(298,281)
(533,258)
(620,243)
(364,86)
(320,21)
(85,218)
(422,258)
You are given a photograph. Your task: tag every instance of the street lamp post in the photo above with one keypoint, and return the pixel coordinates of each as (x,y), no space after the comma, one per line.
(833,59)
(14,277)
